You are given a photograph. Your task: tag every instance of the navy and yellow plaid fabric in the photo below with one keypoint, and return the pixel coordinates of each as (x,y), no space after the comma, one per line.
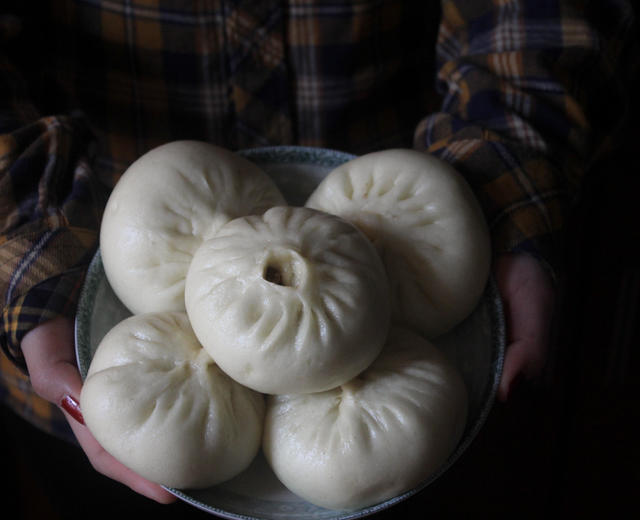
(518,95)
(523,114)
(355,76)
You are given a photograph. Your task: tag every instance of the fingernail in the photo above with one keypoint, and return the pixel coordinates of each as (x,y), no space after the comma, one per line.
(72,407)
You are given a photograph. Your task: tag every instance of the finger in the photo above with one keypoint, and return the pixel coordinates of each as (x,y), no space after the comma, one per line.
(528,327)
(50,358)
(523,359)
(106,464)
(528,295)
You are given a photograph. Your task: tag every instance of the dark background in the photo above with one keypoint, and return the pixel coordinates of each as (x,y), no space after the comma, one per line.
(568,444)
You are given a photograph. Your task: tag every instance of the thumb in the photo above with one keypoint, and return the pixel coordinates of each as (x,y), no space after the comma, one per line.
(528,296)
(50,357)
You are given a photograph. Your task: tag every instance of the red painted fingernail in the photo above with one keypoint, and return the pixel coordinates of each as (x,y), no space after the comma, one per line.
(72,407)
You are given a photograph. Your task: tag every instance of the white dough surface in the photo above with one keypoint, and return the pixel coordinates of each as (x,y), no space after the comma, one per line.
(380,435)
(162,208)
(294,300)
(156,401)
(428,228)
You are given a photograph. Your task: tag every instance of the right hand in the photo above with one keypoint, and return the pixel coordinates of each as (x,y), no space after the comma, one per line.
(49,353)
(528,295)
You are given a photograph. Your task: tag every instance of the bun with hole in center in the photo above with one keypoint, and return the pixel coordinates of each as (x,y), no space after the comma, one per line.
(294,300)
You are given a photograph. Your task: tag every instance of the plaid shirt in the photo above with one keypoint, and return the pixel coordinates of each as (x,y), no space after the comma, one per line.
(518,95)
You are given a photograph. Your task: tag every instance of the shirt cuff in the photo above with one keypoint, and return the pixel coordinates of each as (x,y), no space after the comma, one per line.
(45,283)
(524,197)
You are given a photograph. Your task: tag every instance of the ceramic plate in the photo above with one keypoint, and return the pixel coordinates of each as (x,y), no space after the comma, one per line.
(476,346)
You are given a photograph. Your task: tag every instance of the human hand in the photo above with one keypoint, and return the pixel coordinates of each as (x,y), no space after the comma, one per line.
(49,352)
(528,297)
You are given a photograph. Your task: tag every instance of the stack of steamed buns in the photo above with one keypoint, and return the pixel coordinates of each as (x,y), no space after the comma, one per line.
(301,331)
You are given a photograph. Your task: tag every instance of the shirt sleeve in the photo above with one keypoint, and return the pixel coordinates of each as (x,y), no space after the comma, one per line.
(49,212)
(530,89)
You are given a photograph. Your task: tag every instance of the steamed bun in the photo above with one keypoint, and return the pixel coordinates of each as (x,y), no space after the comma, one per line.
(294,300)
(156,401)
(428,228)
(377,436)
(165,204)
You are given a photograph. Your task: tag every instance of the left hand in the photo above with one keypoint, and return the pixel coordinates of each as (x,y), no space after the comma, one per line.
(528,297)
(49,352)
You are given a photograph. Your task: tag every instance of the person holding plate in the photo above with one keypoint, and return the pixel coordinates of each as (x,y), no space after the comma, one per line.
(509,93)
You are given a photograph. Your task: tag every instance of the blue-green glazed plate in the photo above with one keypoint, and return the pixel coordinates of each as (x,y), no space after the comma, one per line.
(477,347)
